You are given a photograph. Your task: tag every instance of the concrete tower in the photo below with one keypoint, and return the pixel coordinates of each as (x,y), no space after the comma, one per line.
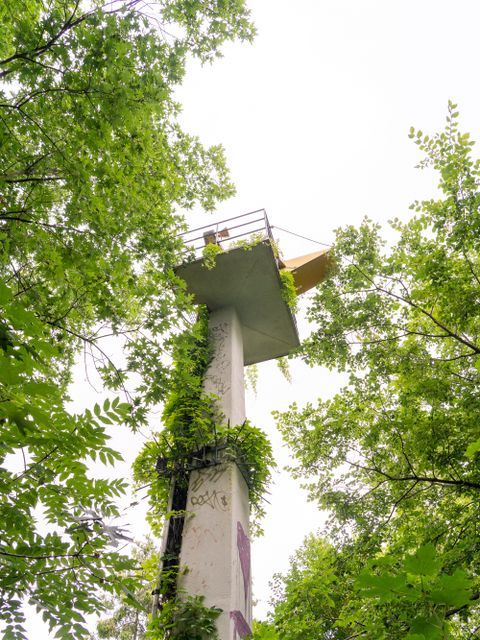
(249,322)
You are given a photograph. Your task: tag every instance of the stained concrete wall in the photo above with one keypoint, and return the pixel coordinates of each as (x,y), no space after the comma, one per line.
(216,548)
(215,556)
(224,377)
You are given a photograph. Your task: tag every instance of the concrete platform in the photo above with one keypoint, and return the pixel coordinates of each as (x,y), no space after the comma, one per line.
(248,280)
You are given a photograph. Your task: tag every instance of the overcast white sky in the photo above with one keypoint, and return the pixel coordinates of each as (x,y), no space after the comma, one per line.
(314,118)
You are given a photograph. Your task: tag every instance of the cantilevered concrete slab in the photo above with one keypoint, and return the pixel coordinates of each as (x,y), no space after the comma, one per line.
(248,280)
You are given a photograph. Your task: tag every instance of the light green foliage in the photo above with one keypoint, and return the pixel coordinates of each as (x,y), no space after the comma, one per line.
(251,377)
(309,599)
(394,456)
(264,631)
(417,579)
(338,592)
(210,253)
(282,364)
(94,169)
(249,242)
(289,291)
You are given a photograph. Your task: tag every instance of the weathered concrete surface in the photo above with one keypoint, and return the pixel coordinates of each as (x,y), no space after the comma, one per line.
(215,547)
(215,556)
(224,377)
(248,280)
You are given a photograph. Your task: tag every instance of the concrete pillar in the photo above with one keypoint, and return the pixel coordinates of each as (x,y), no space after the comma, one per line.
(224,377)
(215,556)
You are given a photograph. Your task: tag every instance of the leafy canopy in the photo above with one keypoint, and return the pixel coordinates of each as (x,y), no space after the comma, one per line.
(94,172)
(394,455)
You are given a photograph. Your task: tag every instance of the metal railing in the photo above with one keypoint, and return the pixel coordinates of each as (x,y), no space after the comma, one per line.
(226,232)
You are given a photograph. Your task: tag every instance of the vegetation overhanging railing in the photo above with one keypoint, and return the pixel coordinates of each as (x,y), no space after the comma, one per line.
(253,222)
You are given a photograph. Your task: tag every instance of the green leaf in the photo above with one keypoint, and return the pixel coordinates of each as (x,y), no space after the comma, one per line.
(472,449)
(424,562)
(453,591)
(430,627)
(5,294)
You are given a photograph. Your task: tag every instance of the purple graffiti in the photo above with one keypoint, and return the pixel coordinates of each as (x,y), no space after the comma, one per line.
(240,624)
(243,544)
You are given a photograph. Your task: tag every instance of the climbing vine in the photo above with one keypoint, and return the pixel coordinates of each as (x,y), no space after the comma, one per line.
(193,437)
(283,365)
(251,377)
(193,431)
(289,291)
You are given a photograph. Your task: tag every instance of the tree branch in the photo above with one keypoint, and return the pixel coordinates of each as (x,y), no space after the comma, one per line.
(454,610)
(414,305)
(414,477)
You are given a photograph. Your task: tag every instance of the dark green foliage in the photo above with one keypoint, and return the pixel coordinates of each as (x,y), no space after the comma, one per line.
(185,618)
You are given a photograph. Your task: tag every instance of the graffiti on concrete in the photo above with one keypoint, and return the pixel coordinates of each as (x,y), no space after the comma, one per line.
(243,545)
(209,475)
(240,625)
(213,499)
(216,376)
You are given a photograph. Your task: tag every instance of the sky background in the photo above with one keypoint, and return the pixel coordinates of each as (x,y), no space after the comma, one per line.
(314,118)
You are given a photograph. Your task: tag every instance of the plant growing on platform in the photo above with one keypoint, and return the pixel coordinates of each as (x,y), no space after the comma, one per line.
(249,241)
(210,252)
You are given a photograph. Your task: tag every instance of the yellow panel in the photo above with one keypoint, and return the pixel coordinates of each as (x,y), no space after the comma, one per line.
(309,270)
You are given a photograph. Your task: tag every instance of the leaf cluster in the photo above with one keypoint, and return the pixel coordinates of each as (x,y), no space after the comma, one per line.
(57,567)
(289,291)
(344,592)
(209,255)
